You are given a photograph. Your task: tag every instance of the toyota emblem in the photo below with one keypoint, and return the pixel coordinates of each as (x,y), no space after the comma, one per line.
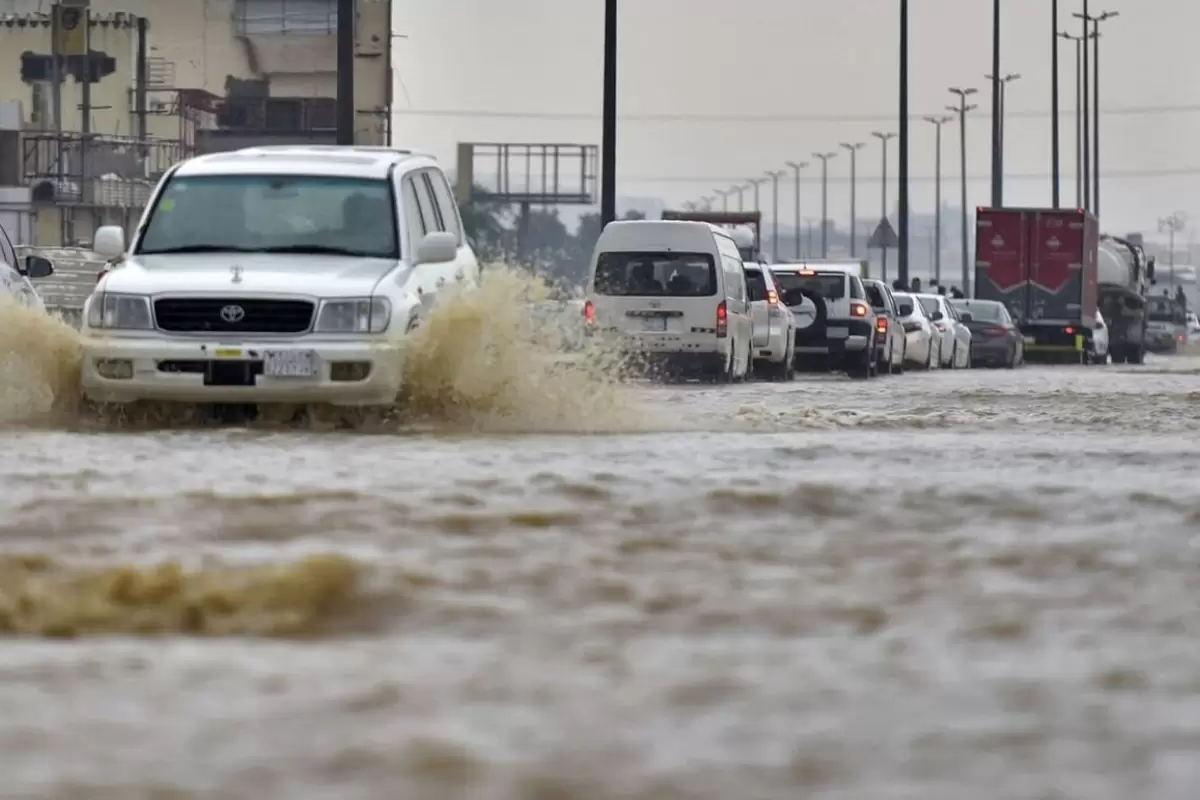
(233,314)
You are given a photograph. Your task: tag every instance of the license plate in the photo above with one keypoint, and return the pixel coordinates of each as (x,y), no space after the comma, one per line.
(837,333)
(290,364)
(654,324)
(1030,340)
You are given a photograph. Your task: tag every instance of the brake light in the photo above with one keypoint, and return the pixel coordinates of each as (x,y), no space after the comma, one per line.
(1068,330)
(589,312)
(995,330)
(805,272)
(941,326)
(881,326)
(858,310)
(722,320)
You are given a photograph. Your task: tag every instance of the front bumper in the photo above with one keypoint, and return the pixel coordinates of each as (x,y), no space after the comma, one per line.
(126,369)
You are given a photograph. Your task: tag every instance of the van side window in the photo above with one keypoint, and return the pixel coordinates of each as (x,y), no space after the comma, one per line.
(447,208)
(414,221)
(735,278)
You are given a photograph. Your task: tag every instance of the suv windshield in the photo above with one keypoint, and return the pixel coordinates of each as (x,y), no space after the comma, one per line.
(650,274)
(830,285)
(274,213)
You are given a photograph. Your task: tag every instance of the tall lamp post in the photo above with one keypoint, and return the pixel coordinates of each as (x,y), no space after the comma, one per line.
(1085,19)
(1107,15)
(753,185)
(1005,80)
(741,195)
(997,112)
(853,149)
(708,202)
(608,158)
(883,138)
(937,122)
(796,167)
(345,71)
(1055,171)
(961,109)
(902,200)
(775,176)
(724,195)
(1079,108)
(825,200)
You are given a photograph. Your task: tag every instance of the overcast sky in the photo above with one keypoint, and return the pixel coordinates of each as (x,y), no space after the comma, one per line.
(833,65)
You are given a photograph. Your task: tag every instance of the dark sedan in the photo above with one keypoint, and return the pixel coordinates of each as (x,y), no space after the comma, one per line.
(996,341)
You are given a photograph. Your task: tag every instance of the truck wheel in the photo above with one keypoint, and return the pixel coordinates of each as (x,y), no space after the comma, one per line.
(1118,355)
(1135,355)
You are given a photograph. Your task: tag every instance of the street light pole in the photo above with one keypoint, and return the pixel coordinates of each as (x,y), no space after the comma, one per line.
(753,185)
(741,193)
(1085,18)
(961,109)
(796,167)
(608,169)
(1107,15)
(883,138)
(902,200)
(997,112)
(708,202)
(853,150)
(775,176)
(1055,172)
(937,122)
(724,195)
(1078,40)
(825,200)
(345,71)
(1004,82)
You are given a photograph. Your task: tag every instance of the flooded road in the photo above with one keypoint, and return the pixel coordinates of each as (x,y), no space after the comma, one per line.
(979,584)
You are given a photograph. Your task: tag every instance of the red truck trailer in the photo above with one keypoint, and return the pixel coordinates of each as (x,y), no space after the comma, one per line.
(1041,263)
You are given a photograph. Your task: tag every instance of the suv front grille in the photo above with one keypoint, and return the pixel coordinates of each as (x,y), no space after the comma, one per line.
(233,315)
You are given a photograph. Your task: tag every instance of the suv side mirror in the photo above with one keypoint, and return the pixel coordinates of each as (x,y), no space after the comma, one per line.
(437,247)
(37,267)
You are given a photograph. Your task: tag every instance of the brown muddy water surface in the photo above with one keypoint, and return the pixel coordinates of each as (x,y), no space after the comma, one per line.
(962,585)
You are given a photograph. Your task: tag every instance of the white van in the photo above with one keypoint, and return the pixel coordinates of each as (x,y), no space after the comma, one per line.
(676,293)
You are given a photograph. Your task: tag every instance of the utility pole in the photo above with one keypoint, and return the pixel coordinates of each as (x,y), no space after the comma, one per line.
(1172,225)
(902,209)
(1055,172)
(796,167)
(997,112)
(724,195)
(961,109)
(775,176)
(883,138)
(1004,82)
(1107,15)
(1085,18)
(853,150)
(825,200)
(346,13)
(937,122)
(1079,44)
(753,185)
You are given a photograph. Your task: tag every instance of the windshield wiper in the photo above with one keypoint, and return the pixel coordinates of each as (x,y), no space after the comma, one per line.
(198,248)
(316,250)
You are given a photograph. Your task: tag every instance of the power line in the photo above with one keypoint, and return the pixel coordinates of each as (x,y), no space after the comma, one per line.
(946,177)
(1116,111)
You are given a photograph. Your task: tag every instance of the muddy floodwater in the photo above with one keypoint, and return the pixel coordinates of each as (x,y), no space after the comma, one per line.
(975,585)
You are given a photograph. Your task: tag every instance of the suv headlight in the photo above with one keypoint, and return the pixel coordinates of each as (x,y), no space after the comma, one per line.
(358,315)
(128,312)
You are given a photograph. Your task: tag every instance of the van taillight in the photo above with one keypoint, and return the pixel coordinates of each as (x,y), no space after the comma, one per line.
(858,310)
(722,320)
(589,312)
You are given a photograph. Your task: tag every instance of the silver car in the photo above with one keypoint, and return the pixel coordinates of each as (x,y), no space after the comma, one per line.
(774,326)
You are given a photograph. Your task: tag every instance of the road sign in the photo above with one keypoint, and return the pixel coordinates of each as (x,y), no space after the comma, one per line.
(884,236)
(71,27)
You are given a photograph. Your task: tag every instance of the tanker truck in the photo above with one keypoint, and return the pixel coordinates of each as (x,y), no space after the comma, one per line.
(1124,275)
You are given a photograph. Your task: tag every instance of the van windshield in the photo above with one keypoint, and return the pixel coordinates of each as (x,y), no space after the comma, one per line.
(656,274)
(830,285)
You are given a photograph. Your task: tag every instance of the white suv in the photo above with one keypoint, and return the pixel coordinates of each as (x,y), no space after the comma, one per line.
(275,274)
(835,324)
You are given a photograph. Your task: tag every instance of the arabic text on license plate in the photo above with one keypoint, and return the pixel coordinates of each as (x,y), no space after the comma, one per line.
(654,324)
(289,363)
(1030,340)
(838,333)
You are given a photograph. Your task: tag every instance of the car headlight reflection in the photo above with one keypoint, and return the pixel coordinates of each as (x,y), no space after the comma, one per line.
(359,315)
(129,312)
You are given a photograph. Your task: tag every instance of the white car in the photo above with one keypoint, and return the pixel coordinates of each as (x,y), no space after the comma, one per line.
(15,274)
(923,342)
(275,275)
(1099,352)
(674,294)
(774,326)
(955,335)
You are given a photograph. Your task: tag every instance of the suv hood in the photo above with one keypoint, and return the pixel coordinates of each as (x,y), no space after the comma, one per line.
(259,273)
